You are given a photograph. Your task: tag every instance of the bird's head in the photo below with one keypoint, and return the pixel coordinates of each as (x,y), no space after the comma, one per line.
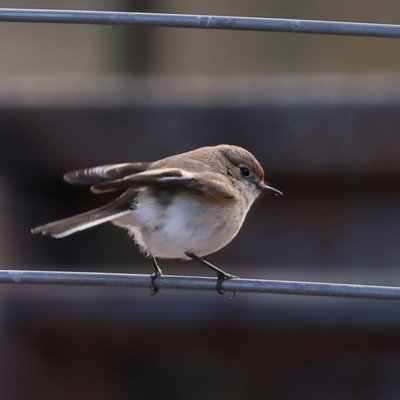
(244,168)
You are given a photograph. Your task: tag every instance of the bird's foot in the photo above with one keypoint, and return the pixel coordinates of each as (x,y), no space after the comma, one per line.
(221,277)
(154,276)
(157,272)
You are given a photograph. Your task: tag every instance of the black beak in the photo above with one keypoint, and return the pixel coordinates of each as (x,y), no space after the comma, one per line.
(266,188)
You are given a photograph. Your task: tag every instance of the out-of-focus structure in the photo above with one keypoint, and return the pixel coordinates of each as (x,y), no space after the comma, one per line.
(322,115)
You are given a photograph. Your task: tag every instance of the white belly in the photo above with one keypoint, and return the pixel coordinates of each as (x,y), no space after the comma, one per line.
(183,225)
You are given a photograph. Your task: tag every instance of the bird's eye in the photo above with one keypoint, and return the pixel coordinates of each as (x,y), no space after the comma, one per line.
(244,171)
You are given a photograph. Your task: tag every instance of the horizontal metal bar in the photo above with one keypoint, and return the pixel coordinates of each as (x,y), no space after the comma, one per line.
(200,22)
(200,283)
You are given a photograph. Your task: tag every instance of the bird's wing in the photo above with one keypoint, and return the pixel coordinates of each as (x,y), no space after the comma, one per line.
(171,178)
(102,173)
(117,208)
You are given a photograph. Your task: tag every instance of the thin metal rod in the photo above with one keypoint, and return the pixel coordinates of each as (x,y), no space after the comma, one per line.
(200,283)
(200,22)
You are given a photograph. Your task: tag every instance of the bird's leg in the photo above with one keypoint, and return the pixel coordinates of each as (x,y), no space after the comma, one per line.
(157,272)
(222,275)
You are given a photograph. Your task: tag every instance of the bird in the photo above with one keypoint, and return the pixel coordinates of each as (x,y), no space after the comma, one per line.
(185,206)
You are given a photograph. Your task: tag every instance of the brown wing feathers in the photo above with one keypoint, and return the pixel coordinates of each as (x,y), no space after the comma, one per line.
(161,177)
(169,178)
(120,177)
(91,176)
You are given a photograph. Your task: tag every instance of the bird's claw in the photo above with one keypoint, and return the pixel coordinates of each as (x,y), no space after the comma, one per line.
(154,276)
(221,278)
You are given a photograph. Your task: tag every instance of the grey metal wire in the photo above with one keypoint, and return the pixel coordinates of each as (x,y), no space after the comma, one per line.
(200,283)
(200,21)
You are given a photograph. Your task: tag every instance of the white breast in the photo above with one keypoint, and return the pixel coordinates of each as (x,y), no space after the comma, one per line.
(169,229)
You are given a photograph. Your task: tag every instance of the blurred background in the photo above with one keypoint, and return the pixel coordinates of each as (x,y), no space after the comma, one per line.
(321,113)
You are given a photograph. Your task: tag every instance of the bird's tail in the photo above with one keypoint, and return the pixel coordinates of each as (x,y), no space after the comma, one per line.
(64,227)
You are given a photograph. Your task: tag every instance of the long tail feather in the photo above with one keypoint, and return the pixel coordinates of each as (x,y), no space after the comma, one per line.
(58,229)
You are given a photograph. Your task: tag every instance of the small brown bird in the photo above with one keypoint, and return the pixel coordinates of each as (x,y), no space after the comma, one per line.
(185,206)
